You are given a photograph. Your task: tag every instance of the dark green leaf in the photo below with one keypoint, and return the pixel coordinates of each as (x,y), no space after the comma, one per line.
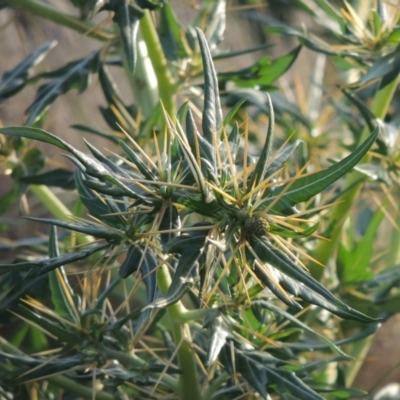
(83,128)
(44,266)
(97,231)
(139,259)
(197,142)
(187,270)
(386,67)
(133,157)
(298,282)
(35,134)
(303,189)
(15,79)
(75,75)
(53,327)
(262,164)
(304,327)
(172,36)
(170,221)
(212,113)
(59,177)
(127,17)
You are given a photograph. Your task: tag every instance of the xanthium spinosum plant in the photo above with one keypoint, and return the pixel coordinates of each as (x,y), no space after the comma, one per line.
(223,223)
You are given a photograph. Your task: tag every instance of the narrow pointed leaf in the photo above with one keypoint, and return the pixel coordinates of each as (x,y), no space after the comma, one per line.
(88,229)
(127,17)
(133,157)
(299,283)
(43,266)
(212,113)
(305,188)
(262,164)
(59,177)
(15,79)
(75,75)
(145,262)
(219,333)
(303,326)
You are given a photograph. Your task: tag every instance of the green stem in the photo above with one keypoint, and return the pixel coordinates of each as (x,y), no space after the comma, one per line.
(45,11)
(143,82)
(60,381)
(166,84)
(339,213)
(51,202)
(189,388)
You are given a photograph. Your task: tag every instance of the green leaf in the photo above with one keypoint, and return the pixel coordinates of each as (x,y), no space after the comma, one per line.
(59,177)
(172,36)
(298,282)
(386,67)
(35,134)
(43,266)
(145,261)
(353,265)
(15,79)
(141,166)
(233,111)
(303,189)
(83,128)
(262,164)
(369,117)
(263,73)
(97,231)
(212,20)
(170,221)
(75,75)
(116,111)
(278,162)
(62,294)
(197,142)
(333,13)
(191,247)
(97,207)
(293,234)
(260,373)
(304,327)
(127,17)
(212,112)
(46,323)
(219,333)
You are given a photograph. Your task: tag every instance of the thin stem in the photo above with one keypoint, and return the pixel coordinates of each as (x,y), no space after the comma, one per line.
(51,202)
(189,388)
(143,82)
(166,85)
(43,10)
(354,181)
(60,381)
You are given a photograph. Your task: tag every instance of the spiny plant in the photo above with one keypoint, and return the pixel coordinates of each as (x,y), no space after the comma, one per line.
(215,236)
